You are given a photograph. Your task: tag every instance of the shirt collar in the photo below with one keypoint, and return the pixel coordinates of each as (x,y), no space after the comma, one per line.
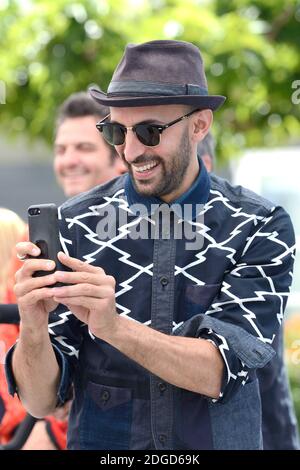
(188,204)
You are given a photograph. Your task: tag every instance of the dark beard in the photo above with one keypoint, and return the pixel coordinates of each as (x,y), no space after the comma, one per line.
(173,172)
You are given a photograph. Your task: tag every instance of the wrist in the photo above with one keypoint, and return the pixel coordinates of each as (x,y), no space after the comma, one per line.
(111,330)
(33,334)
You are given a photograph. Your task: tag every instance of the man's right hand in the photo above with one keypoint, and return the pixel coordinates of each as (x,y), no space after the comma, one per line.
(34,297)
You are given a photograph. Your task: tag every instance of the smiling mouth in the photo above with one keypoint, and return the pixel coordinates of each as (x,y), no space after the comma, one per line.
(75,174)
(144,168)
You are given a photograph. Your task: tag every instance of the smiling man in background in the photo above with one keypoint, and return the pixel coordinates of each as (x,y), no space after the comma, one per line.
(82,158)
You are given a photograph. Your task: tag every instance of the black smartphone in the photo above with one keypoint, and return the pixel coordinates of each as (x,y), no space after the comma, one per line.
(44,232)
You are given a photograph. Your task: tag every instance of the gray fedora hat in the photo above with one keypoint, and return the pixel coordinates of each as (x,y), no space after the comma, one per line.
(157,73)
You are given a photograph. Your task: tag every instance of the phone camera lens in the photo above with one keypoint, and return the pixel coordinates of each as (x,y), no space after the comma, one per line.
(34,211)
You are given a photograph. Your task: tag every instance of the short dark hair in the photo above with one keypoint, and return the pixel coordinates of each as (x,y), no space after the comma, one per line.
(207,146)
(81,104)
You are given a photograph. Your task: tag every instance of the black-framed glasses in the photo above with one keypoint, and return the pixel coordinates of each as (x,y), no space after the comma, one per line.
(148,134)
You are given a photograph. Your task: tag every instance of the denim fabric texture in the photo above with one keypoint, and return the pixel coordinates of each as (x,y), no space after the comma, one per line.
(231,290)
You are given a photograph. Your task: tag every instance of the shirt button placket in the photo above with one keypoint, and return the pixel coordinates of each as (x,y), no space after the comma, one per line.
(162,387)
(162,320)
(164,281)
(162,439)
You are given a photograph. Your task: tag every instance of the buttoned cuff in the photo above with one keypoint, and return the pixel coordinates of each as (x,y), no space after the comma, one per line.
(63,393)
(240,350)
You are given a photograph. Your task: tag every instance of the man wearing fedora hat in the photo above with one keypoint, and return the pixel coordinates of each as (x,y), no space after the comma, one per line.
(160,333)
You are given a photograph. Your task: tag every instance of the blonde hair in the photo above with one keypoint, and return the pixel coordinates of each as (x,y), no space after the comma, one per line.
(12,228)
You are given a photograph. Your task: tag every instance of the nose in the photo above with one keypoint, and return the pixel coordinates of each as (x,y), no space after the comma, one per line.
(70,157)
(132,147)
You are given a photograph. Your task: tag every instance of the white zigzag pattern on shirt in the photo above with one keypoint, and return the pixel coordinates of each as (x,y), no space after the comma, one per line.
(200,257)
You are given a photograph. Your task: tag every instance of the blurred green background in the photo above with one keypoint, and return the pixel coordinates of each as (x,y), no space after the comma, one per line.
(49,49)
(292,357)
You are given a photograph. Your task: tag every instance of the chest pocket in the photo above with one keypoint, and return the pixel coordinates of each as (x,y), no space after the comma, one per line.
(198,299)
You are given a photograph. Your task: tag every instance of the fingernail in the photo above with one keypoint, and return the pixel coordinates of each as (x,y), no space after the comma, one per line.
(35,251)
(50,264)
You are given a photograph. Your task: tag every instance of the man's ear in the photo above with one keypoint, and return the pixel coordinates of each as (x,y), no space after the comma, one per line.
(202,121)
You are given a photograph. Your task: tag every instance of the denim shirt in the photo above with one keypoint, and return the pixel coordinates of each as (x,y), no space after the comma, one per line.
(230,288)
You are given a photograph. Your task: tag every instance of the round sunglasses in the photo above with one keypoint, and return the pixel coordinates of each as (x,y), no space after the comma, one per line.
(148,134)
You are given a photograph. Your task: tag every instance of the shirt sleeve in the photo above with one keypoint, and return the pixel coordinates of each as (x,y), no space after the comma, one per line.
(248,310)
